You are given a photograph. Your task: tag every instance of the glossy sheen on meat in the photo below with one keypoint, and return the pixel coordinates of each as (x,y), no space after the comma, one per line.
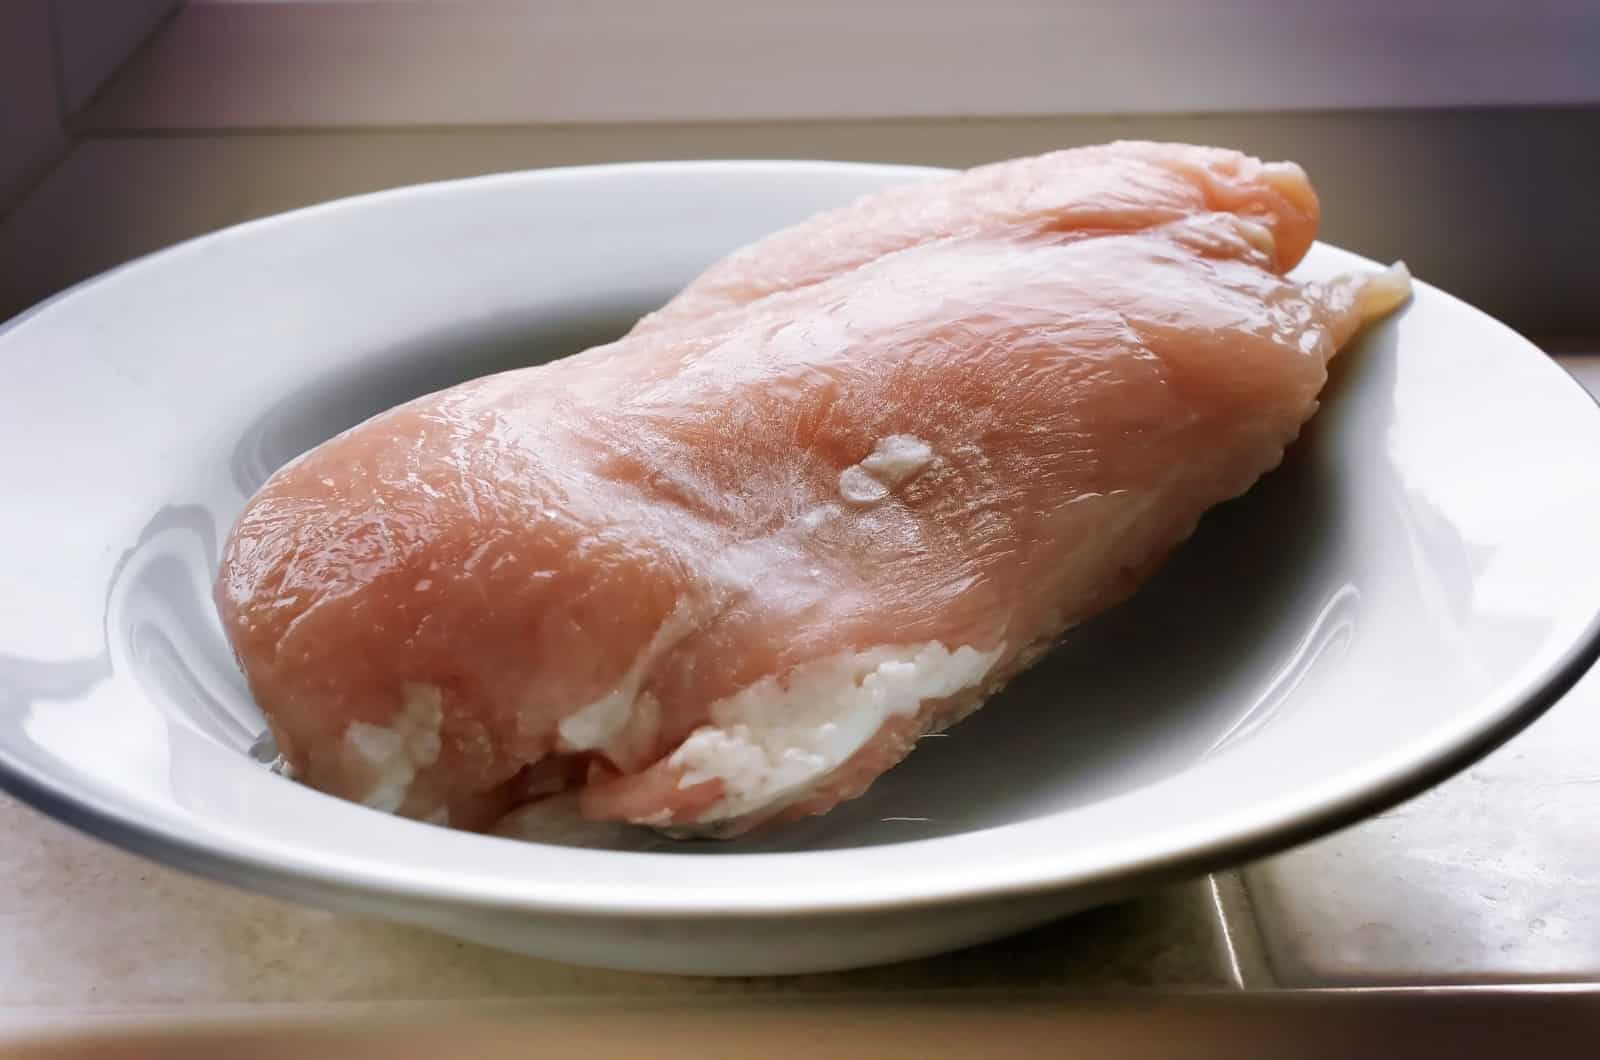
(858,474)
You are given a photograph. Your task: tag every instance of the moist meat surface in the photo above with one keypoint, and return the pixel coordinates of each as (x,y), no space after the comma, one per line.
(727,569)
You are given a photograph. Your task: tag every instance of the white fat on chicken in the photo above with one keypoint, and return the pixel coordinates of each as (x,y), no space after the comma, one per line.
(397,751)
(895,460)
(594,726)
(771,742)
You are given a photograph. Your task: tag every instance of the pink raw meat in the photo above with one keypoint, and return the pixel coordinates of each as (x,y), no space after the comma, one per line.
(727,569)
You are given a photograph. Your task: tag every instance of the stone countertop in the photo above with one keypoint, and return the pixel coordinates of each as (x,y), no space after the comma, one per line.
(92,930)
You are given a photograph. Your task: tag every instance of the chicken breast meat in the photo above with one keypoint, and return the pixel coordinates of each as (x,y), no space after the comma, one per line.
(727,569)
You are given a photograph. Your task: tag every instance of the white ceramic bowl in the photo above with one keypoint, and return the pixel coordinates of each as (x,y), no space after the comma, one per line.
(1416,583)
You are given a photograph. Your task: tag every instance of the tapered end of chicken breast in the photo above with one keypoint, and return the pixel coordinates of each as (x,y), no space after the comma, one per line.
(1384,292)
(1356,299)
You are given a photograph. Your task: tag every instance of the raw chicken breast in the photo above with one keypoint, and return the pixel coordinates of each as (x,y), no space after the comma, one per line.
(727,569)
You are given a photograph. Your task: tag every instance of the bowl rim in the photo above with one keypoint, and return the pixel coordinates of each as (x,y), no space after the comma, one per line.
(1338,800)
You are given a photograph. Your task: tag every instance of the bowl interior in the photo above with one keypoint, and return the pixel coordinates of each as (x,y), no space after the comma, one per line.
(1396,587)
(1075,730)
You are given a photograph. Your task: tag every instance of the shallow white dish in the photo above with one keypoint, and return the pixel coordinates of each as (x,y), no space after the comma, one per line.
(1416,583)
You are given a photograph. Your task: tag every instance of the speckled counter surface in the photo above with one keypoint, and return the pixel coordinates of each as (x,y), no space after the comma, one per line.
(88,927)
